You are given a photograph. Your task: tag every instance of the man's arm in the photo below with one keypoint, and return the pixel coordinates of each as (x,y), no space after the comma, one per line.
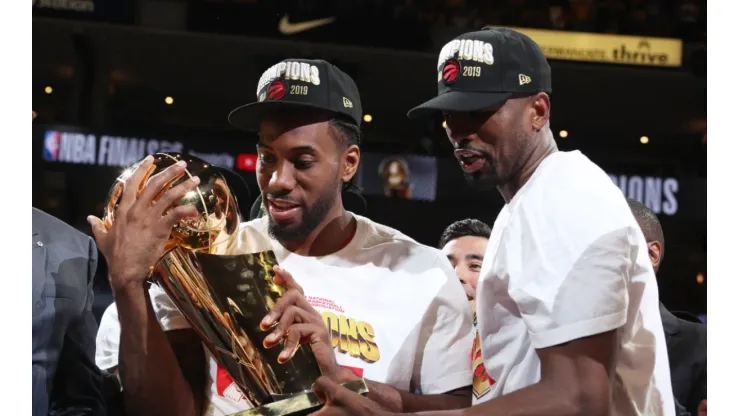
(576,380)
(77,384)
(398,401)
(162,373)
(153,381)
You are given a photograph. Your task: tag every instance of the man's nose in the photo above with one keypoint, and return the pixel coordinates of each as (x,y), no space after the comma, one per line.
(455,132)
(283,178)
(460,276)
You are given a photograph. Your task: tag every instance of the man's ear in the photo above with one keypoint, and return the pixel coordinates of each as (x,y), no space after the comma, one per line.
(655,250)
(541,113)
(351,162)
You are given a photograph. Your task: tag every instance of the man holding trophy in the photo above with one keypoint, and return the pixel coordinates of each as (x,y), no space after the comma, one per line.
(352,300)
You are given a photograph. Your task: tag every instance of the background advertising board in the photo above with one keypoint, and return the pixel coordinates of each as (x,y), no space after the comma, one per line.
(610,49)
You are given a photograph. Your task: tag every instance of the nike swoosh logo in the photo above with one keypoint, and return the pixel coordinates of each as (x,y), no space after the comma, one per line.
(287,28)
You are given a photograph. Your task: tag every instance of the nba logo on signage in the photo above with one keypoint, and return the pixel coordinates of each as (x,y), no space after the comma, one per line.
(52,142)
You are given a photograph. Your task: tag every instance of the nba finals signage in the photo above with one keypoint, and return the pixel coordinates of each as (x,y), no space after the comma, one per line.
(84,148)
(90,149)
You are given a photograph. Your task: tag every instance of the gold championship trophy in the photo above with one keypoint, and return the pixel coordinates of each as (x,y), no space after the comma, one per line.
(224,297)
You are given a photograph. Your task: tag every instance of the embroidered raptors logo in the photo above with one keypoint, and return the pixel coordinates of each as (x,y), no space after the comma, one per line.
(276,90)
(450,71)
(481,381)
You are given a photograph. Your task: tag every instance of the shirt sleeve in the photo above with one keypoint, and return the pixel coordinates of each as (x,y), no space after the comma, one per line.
(109,332)
(169,317)
(573,263)
(107,339)
(443,360)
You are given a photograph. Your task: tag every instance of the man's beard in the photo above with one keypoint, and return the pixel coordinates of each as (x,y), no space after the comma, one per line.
(312,216)
(485,178)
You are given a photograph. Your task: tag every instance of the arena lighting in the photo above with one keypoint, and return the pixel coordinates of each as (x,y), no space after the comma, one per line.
(367,118)
(48,89)
(563,133)
(169,100)
(644,140)
(700,278)
(444,124)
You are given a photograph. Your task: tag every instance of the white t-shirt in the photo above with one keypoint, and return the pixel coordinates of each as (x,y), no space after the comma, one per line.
(567,260)
(405,295)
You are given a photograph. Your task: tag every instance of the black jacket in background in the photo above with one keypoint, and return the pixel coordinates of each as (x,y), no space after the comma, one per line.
(687,356)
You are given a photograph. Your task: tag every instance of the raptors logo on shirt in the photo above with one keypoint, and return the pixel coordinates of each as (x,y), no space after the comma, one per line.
(482,382)
(226,387)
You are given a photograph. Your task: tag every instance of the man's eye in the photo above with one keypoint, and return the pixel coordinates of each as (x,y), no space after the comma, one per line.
(303,164)
(304,161)
(267,158)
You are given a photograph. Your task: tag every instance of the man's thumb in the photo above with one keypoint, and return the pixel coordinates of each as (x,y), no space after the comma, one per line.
(98,228)
(325,389)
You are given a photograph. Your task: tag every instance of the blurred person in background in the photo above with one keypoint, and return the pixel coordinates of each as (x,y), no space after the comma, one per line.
(308,114)
(395,174)
(567,301)
(464,244)
(687,341)
(65,378)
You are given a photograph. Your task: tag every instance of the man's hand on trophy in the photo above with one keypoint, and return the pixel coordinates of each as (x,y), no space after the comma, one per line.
(339,401)
(293,320)
(143,222)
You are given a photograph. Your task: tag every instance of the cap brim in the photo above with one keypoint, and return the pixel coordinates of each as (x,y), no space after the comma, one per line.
(454,101)
(247,117)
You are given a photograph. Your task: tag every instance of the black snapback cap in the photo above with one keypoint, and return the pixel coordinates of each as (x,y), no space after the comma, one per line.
(301,83)
(481,70)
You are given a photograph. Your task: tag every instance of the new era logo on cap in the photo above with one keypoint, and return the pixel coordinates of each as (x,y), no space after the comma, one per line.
(481,70)
(301,83)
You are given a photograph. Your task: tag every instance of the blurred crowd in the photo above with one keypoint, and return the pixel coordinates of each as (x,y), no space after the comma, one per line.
(685,19)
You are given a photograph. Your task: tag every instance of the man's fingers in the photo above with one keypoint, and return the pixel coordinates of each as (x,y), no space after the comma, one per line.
(98,229)
(155,185)
(333,393)
(332,411)
(323,388)
(284,278)
(291,297)
(313,336)
(295,335)
(131,189)
(176,214)
(173,195)
(291,315)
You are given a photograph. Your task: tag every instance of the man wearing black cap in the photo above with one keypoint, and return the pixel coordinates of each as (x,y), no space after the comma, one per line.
(370,301)
(567,302)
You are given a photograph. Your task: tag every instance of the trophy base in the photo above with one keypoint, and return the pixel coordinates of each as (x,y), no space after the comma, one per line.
(301,404)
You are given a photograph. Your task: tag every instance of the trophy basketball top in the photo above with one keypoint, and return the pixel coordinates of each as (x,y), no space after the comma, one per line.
(218,217)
